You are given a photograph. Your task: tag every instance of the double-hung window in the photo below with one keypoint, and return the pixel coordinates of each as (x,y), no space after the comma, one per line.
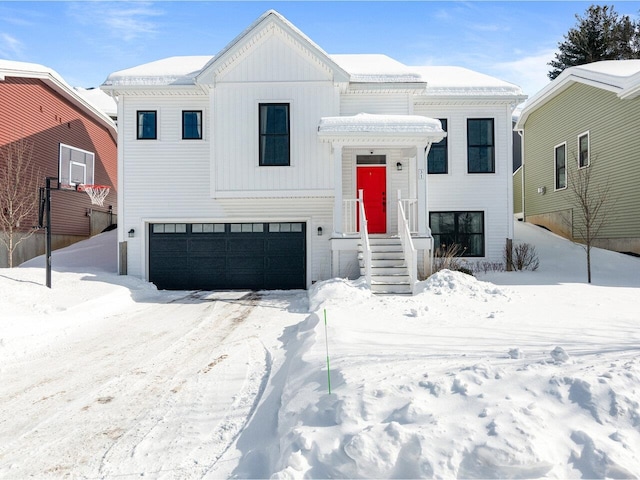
(560,159)
(462,229)
(583,149)
(147,126)
(437,160)
(274,136)
(480,145)
(191,124)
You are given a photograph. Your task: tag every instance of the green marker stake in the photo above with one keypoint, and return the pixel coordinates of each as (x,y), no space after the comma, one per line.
(326,338)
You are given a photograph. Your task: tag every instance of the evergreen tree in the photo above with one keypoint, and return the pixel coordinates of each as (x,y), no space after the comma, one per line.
(601,35)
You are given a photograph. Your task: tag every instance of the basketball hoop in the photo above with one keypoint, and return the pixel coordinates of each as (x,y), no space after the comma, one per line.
(97,193)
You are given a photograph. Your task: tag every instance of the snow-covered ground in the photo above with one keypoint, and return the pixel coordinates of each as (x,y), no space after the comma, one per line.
(511,375)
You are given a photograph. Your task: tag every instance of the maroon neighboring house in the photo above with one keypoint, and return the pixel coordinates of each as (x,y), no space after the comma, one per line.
(71,139)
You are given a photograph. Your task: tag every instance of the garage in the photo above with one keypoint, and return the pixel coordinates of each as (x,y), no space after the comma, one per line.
(216,256)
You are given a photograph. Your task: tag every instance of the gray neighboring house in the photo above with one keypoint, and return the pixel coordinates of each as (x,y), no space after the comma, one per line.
(588,117)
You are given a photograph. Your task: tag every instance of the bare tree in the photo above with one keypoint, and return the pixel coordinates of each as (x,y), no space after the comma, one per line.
(591,202)
(18,195)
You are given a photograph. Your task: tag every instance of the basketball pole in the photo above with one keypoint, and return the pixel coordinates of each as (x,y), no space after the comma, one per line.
(47,209)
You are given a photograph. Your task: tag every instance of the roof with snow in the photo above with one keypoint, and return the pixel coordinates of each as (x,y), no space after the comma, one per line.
(621,77)
(10,68)
(376,68)
(371,69)
(167,71)
(363,125)
(451,80)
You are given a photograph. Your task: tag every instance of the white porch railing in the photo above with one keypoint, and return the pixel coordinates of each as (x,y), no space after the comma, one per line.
(350,210)
(410,207)
(410,252)
(364,236)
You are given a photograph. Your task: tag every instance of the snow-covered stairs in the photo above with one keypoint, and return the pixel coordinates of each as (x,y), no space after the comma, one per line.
(389,273)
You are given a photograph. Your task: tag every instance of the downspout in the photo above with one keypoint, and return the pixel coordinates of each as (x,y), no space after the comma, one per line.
(520,132)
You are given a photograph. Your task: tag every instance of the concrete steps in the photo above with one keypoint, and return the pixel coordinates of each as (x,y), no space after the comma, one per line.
(389,273)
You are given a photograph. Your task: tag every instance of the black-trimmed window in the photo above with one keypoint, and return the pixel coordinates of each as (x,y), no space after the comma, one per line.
(192,124)
(274,134)
(147,125)
(437,160)
(560,159)
(480,145)
(583,148)
(464,229)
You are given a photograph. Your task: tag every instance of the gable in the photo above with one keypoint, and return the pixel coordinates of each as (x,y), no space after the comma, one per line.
(275,58)
(271,50)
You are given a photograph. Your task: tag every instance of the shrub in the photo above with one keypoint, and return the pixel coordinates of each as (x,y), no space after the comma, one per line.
(523,257)
(448,258)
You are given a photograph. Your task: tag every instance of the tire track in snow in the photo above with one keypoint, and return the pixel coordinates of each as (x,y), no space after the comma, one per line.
(134,396)
(182,447)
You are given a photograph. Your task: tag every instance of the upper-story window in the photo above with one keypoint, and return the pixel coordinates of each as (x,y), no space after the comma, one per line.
(274,135)
(583,149)
(560,159)
(480,145)
(437,160)
(147,125)
(191,124)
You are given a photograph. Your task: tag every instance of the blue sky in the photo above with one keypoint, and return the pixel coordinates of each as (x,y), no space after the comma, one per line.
(85,41)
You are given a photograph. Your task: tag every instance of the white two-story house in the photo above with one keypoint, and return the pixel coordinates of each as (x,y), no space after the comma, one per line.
(273,164)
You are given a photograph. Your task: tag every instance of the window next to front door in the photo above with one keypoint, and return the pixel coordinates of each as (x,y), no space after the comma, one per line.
(437,161)
(274,136)
(462,229)
(480,145)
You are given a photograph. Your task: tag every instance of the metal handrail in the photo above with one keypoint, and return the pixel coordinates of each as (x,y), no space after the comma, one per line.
(410,252)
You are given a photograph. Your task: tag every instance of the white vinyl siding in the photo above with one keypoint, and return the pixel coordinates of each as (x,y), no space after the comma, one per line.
(461,191)
(235,167)
(375,103)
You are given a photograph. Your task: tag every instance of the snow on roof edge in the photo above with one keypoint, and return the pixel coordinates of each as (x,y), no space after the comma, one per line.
(11,68)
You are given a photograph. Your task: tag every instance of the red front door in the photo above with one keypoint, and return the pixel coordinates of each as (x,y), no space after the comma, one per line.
(373,182)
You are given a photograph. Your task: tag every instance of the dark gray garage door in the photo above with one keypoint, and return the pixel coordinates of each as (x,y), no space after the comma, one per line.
(212,256)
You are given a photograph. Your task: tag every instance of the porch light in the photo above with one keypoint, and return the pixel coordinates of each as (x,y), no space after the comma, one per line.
(399,166)
(319,231)
(131,233)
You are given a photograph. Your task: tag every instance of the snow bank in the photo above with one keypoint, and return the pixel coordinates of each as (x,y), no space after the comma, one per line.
(511,375)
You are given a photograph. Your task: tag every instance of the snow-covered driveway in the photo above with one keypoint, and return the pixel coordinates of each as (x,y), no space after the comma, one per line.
(167,383)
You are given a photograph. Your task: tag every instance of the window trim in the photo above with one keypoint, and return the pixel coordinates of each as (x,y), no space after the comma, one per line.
(456,213)
(444,147)
(139,133)
(261,162)
(580,163)
(492,146)
(200,125)
(555,166)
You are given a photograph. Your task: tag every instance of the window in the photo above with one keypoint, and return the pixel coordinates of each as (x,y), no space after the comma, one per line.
(169,228)
(75,166)
(147,125)
(274,134)
(583,148)
(560,156)
(191,125)
(437,160)
(465,229)
(480,145)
